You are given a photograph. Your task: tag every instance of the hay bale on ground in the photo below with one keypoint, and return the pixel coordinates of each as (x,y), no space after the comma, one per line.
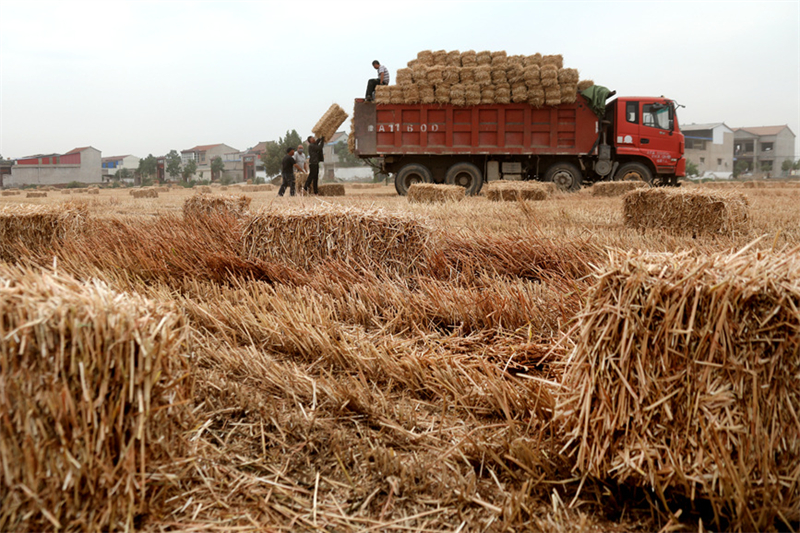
(204,189)
(200,206)
(144,193)
(685,379)
(510,191)
(36,195)
(369,239)
(331,189)
(10,193)
(27,229)
(433,193)
(93,190)
(66,191)
(329,123)
(615,188)
(687,211)
(92,386)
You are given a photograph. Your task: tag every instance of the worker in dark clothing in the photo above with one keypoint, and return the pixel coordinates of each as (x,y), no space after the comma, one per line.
(315,157)
(288,164)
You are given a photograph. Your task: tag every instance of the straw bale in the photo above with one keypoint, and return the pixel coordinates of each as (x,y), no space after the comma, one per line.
(411,94)
(569,94)
(515,74)
(426,93)
(685,380)
(440,57)
(499,59)
(556,60)
(144,193)
(451,75)
(552,95)
(305,237)
(568,76)
(468,58)
(467,75)
(472,93)
(488,95)
(413,63)
(483,75)
(453,58)
(34,194)
(425,57)
(483,57)
(405,76)
(615,188)
(502,93)
(533,60)
(224,188)
(383,94)
(34,229)
(584,84)
(331,189)
(536,96)
(93,383)
(200,206)
(458,95)
(435,193)
(442,94)
(499,75)
(93,190)
(330,121)
(419,73)
(12,193)
(204,189)
(548,75)
(510,191)
(519,93)
(396,95)
(695,211)
(516,61)
(435,74)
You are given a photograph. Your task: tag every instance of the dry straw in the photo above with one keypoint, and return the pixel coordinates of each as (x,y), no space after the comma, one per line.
(27,229)
(331,189)
(200,206)
(435,193)
(11,193)
(36,195)
(584,84)
(144,193)
(330,121)
(685,379)
(368,239)
(695,211)
(510,191)
(92,386)
(615,188)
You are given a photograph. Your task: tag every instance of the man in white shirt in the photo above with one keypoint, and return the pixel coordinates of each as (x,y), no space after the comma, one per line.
(382,79)
(302,163)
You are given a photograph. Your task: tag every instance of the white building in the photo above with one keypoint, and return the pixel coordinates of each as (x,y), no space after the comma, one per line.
(82,165)
(710,147)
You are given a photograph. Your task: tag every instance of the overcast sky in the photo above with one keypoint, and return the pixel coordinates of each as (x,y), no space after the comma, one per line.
(145,77)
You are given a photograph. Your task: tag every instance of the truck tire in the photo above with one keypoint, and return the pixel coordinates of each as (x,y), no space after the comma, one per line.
(465,175)
(566,176)
(409,175)
(634,172)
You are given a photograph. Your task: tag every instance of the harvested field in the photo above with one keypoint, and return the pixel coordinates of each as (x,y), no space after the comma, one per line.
(363,362)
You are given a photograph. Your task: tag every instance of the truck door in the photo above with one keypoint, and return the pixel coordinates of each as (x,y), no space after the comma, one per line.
(646,128)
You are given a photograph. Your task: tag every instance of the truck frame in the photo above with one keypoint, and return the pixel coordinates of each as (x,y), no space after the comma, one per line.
(569,144)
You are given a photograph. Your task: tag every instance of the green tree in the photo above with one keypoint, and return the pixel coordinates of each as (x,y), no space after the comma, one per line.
(217,166)
(796,165)
(275,150)
(173,164)
(123,174)
(740,168)
(346,157)
(188,170)
(787,165)
(691,168)
(147,166)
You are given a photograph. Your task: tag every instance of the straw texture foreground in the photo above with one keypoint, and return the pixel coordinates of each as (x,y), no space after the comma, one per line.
(685,379)
(32,229)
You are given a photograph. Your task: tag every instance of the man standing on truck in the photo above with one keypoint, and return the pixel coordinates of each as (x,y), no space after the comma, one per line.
(315,157)
(287,172)
(382,79)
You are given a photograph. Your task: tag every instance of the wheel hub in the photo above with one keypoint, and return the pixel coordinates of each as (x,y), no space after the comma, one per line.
(463,179)
(563,179)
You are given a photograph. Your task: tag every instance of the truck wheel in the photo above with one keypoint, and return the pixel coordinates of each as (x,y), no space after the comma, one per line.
(566,176)
(465,175)
(634,172)
(409,175)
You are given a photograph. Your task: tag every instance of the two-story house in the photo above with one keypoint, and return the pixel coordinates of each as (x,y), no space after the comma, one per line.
(710,147)
(764,148)
(204,154)
(112,165)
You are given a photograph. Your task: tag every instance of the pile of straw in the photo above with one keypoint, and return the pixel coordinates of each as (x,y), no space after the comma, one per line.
(36,195)
(144,193)
(694,211)
(369,239)
(471,78)
(91,388)
(203,205)
(685,379)
(31,229)
(331,189)
(329,124)
(510,191)
(616,188)
(433,193)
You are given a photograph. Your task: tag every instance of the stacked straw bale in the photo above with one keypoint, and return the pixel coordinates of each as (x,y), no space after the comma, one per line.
(329,123)
(693,211)
(32,229)
(368,239)
(331,189)
(685,379)
(203,205)
(510,191)
(144,193)
(91,389)
(616,188)
(471,78)
(434,193)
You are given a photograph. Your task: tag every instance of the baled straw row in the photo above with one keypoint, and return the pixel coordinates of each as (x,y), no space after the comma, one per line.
(11,193)
(685,379)
(615,188)
(90,393)
(694,211)
(369,239)
(518,190)
(329,123)
(435,193)
(200,206)
(33,229)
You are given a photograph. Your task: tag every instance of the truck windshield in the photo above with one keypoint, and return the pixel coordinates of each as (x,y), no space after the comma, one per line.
(657,116)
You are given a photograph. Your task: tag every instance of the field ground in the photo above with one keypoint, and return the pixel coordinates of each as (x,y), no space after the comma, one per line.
(338,400)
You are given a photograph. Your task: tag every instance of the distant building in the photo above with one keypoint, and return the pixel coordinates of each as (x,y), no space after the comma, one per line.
(764,148)
(82,165)
(203,155)
(710,147)
(112,165)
